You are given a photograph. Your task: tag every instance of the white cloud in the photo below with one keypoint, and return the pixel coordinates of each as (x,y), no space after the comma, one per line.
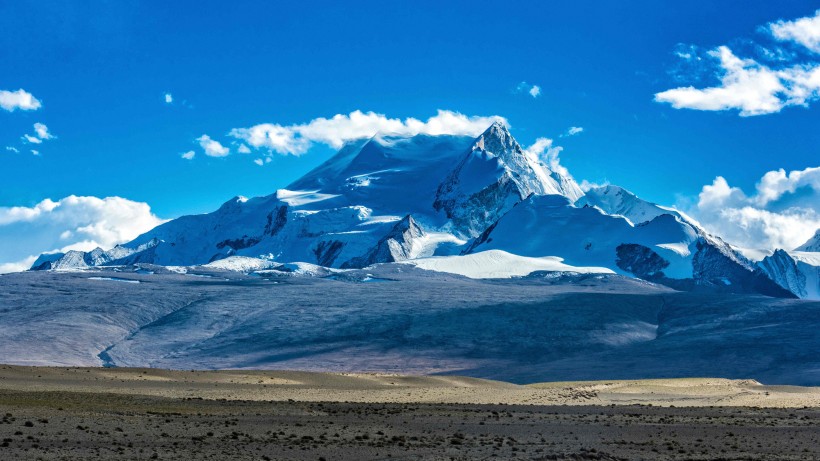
(746,85)
(544,150)
(533,90)
(259,162)
(169,98)
(35,152)
(20,99)
(335,131)
(783,213)
(42,131)
(211,147)
(587,185)
(754,88)
(41,134)
(12,149)
(79,223)
(803,31)
(573,130)
(188,155)
(243,149)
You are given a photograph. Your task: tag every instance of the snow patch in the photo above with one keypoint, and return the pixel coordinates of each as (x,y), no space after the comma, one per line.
(114,279)
(499,264)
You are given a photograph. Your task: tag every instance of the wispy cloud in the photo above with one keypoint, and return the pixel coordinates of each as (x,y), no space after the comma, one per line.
(335,131)
(42,131)
(12,149)
(574,130)
(211,147)
(754,88)
(41,134)
(547,152)
(188,155)
(532,90)
(20,99)
(31,139)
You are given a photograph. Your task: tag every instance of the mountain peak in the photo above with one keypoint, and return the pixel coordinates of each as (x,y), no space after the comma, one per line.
(496,140)
(812,244)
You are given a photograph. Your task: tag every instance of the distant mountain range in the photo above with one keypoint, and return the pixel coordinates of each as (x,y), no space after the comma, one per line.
(390,199)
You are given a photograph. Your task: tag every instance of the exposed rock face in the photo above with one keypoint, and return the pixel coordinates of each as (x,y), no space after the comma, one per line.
(781,268)
(490,179)
(717,266)
(397,245)
(640,260)
(327,251)
(119,255)
(276,220)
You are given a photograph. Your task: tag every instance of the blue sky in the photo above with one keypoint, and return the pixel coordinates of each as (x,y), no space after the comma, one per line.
(101,71)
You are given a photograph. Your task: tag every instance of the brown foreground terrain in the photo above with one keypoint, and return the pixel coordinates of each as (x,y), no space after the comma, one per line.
(96,413)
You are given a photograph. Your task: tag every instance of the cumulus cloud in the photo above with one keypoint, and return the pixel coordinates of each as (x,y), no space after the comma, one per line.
(71,223)
(243,149)
(544,150)
(211,147)
(20,99)
(335,131)
(783,212)
(803,31)
(188,155)
(752,87)
(169,98)
(532,90)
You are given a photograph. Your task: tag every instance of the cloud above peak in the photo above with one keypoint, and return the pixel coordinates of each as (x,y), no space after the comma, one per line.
(341,128)
(783,212)
(20,99)
(752,87)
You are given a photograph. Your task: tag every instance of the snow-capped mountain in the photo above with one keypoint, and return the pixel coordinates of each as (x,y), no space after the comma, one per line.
(812,244)
(393,198)
(796,271)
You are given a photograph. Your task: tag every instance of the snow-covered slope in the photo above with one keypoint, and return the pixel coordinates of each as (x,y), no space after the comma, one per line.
(666,249)
(497,264)
(796,271)
(491,178)
(393,198)
(615,200)
(812,244)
